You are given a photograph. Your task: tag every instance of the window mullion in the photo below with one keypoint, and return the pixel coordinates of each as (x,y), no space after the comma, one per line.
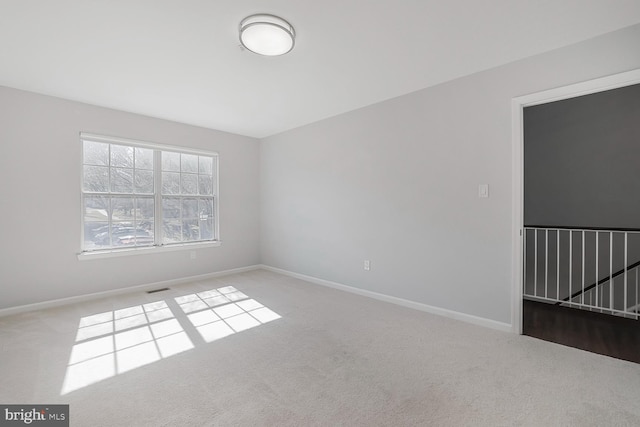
(215,176)
(181,202)
(110,219)
(109,206)
(157,196)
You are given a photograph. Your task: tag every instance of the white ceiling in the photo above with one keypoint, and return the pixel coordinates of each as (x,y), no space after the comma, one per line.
(181,60)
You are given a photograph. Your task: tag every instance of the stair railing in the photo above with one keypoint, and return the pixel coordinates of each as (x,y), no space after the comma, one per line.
(586,268)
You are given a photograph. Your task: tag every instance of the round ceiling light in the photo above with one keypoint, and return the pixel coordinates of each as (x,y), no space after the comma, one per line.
(267,35)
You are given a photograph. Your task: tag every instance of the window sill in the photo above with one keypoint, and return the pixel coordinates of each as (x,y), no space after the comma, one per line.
(114,253)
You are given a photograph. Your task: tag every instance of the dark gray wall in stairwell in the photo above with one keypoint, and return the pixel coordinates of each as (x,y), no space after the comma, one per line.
(582,161)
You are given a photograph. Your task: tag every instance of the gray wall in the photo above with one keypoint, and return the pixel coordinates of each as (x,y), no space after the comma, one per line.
(40,219)
(581,161)
(397,183)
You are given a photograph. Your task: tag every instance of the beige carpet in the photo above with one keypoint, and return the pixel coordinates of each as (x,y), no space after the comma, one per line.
(261,349)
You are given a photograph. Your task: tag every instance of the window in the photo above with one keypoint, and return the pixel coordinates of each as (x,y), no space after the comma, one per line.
(138,194)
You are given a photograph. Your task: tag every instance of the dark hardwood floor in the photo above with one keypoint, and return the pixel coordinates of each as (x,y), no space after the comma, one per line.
(596,332)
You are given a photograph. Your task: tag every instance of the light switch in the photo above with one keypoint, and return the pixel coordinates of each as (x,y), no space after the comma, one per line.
(483,191)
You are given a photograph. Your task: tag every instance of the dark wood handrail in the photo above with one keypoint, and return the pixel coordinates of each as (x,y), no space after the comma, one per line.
(566,227)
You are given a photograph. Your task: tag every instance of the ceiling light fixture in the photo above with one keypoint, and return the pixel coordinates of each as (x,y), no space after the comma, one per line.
(267,35)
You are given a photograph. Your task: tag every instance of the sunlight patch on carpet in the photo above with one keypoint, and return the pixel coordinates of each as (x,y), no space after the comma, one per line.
(115,342)
(231,311)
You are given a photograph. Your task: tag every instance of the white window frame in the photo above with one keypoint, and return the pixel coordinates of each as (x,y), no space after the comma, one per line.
(158,245)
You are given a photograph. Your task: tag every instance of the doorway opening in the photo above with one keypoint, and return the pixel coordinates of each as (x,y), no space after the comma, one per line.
(576,228)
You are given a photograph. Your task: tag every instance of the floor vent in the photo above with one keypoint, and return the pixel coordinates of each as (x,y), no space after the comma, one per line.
(157,290)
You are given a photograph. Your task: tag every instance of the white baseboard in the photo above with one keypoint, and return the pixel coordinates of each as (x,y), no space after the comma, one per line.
(481,321)
(167,283)
(120,291)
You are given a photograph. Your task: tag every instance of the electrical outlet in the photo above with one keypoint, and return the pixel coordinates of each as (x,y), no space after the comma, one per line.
(193,254)
(367,265)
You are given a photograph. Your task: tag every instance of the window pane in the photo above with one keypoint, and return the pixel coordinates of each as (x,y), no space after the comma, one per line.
(189,163)
(189,184)
(144,237)
(170,161)
(145,210)
(122,209)
(172,231)
(205,219)
(190,208)
(190,230)
(101,237)
(92,231)
(95,153)
(121,156)
(96,179)
(170,183)
(205,185)
(144,181)
(121,180)
(124,240)
(96,208)
(125,233)
(206,228)
(119,230)
(206,165)
(144,158)
(205,209)
(97,232)
(170,208)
